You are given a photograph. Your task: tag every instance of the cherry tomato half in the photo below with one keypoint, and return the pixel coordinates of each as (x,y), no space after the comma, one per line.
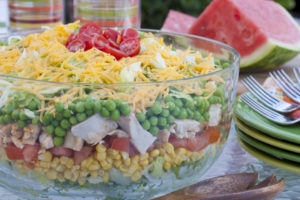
(100,42)
(113,44)
(87,39)
(111,34)
(90,29)
(131,46)
(129,33)
(72,37)
(114,52)
(75,45)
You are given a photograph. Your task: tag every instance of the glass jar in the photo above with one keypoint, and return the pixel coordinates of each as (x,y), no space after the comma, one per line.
(109,13)
(32,14)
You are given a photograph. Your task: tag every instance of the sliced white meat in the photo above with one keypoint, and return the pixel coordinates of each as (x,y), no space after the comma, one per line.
(46,140)
(5,131)
(94,129)
(119,133)
(186,128)
(16,131)
(215,114)
(139,137)
(163,136)
(31,133)
(17,141)
(73,142)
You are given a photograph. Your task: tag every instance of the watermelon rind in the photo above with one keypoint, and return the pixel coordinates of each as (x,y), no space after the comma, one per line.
(272,54)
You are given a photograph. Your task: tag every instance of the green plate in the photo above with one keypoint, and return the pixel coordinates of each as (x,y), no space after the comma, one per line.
(244,113)
(265,138)
(281,154)
(287,165)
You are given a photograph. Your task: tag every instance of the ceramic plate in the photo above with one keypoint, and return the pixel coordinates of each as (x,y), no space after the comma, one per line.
(279,153)
(251,118)
(287,165)
(266,139)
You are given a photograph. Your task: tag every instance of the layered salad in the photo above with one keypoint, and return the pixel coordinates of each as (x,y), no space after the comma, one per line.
(85,105)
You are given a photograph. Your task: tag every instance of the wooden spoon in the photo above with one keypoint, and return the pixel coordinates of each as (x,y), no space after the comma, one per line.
(230,187)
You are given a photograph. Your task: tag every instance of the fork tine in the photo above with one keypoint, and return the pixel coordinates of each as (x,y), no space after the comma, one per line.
(291,84)
(271,115)
(264,99)
(281,84)
(296,74)
(258,87)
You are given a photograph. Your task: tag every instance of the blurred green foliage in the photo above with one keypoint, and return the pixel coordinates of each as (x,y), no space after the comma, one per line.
(154,12)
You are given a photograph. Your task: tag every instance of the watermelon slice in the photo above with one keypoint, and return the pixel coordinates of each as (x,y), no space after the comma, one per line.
(178,22)
(263,32)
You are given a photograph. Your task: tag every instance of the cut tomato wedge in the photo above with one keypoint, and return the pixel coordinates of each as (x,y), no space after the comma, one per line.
(114,52)
(75,45)
(121,144)
(178,142)
(90,29)
(72,37)
(129,33)
(62,151)
(111,34)
(13,152)
(131,46)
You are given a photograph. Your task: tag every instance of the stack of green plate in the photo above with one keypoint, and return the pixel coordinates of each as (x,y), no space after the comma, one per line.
(272,143)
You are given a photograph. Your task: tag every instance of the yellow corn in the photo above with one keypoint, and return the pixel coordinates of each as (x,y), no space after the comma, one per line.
(70,163)
(144,156)
(51,174)
(94,174)
(68,174)
(162,152)
(47,156)
(144,163)
(132,169)
(167,158)
(64,160)
(86,163)
(127,161)
(94,166)
(154,153)
(55,162)
(60,168)
(167,165)
(112,152)
(105,165)
(45,164)
(117,163)
(105,177)
(101,156)
(123,168)
(168,147)
(60,177)
(178,160)
(81,180)
(74,176)
(109,160)
(135,159)
(136,176)
(180,151)
(100,148)
(124,155)
(83,173)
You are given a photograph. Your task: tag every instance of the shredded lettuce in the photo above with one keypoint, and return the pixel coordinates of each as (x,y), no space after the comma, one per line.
(14,39)
(29,113)
(181,95)
(129,73)
(157,167)
(22,99)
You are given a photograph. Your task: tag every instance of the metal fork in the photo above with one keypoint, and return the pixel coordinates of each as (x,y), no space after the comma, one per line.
(297,74)
(266,98)
(288,86)
(266,112)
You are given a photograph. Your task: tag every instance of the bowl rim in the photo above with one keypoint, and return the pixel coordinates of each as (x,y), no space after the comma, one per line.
(234,64)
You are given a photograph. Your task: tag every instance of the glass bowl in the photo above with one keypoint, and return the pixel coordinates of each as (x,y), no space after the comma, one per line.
(156,165)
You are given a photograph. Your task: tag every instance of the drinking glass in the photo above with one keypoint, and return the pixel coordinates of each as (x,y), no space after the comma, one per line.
(32,14)
(109,13)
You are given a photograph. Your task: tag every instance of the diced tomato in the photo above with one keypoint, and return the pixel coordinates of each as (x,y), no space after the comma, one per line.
(100,42)
(30,154)
(214,134)
(295,114)
(114,52)
(13,152)
(111,34)
(121,144)
(199,142)
(178,142)
(129,33)
(75,45)
(108,140)
(84,153)
(131,46)
(91,29)
(72,37)
(62,151)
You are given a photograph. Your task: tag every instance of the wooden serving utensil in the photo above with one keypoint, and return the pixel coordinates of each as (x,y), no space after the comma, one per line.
(230,187)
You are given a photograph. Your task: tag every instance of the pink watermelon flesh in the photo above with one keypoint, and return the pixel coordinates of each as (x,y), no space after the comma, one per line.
(245,24)
(178,22)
